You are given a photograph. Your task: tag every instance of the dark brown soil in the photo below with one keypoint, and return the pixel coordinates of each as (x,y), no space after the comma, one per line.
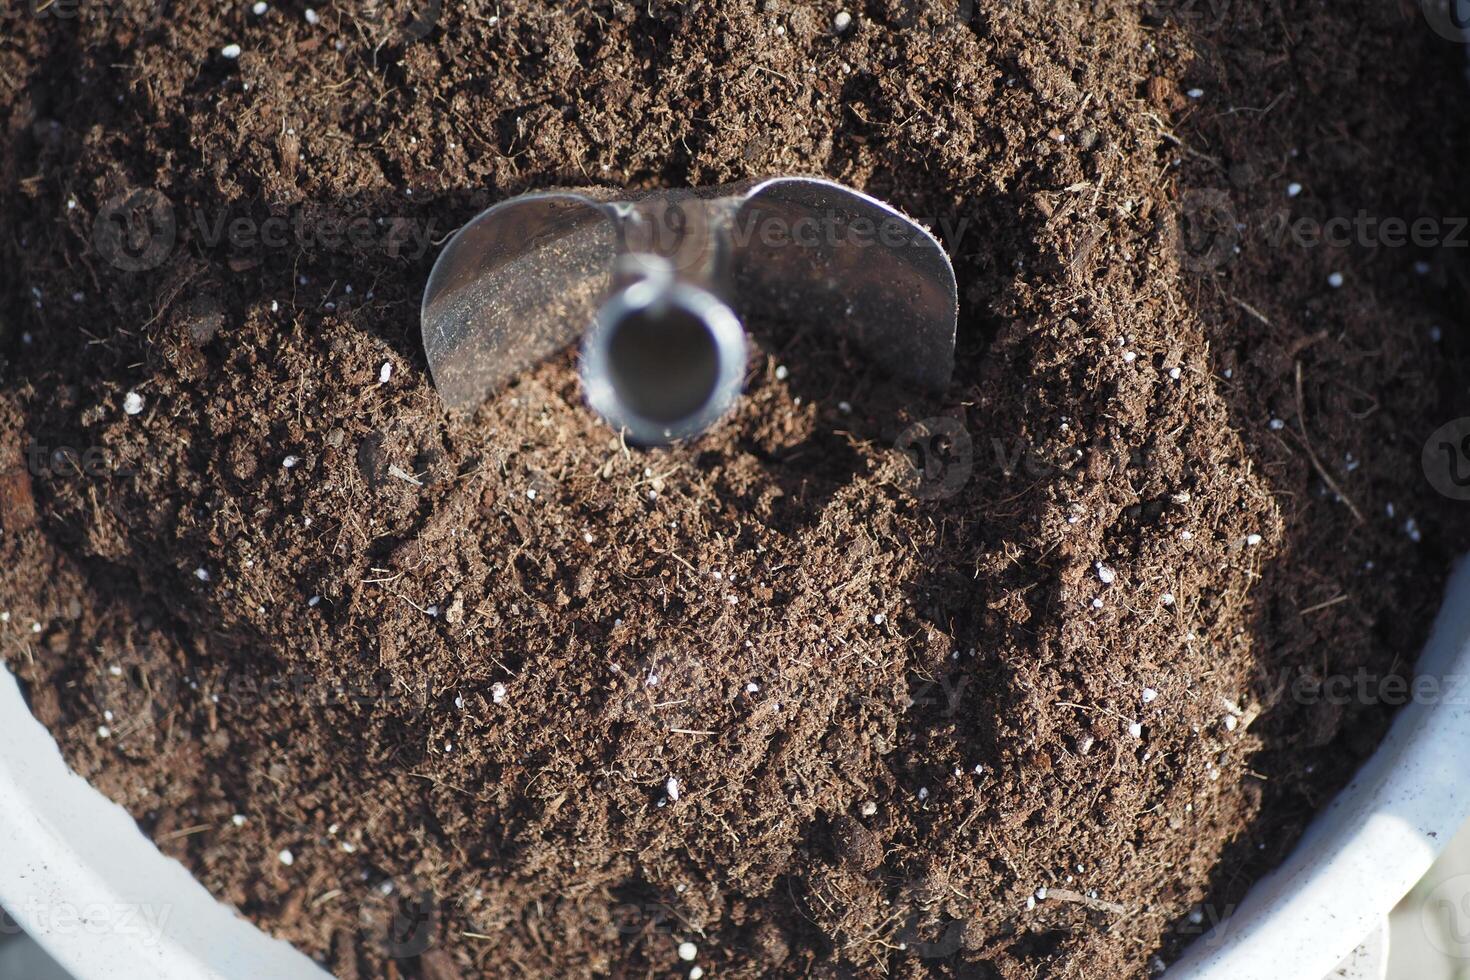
(891,719)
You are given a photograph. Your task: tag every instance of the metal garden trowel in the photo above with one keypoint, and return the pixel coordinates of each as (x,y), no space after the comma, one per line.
(659,284)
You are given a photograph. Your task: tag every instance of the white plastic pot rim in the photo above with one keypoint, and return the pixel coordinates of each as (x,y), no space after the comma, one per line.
(1368,848)
(78,875)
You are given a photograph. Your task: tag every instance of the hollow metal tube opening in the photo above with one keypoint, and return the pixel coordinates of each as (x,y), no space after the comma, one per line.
(663,361)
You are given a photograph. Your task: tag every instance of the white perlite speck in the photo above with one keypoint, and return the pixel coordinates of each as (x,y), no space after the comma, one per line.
(202,574)
(1293,189)
(1252,539)
(385,372)
(230,51)
(1105,574)
(688,951)
(842,21)
(497,692)
(312,17)
(238,820)
(290,461)
(133,403)
(1335,280)
(1150,695)
(287,858)
(1135,729)
(260,7)
(671,787)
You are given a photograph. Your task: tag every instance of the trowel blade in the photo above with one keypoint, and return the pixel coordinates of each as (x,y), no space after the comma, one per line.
(844,261)
(514,286)
(525,278)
